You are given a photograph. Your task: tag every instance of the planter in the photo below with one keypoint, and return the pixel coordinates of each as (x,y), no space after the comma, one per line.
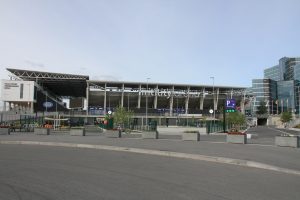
(236,138)
(4,131)
(42,131)
(177,130)
(287,141)
(77,131)
(113,134)
(150,135)
(191,136)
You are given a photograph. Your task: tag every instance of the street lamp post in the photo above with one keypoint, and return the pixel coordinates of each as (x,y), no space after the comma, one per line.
(147,104)
(46,102)
(213,79)
(299,101)
(128,110)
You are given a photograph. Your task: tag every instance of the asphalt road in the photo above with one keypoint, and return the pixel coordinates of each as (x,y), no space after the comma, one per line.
(260,149)
(40,172)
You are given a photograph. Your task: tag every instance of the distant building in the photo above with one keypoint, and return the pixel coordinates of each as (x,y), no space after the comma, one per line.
(280,87)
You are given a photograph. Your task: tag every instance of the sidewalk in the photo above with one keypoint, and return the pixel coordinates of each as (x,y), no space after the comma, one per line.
(268,154)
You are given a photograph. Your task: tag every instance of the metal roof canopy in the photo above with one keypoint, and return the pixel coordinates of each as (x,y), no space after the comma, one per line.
(226,89)
(60,84)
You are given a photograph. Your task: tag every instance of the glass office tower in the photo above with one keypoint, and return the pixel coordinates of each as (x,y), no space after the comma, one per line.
(286,96)
(280,87)
(289,66)
(264,90)
(275,73)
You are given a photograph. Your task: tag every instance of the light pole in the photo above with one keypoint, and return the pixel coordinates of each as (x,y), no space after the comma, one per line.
(213,79)
(128,102)
(147,104)
(128,110)
(46,102)
(177,111)
(299,101)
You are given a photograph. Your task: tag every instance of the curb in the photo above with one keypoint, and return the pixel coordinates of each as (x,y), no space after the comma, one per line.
(222,160)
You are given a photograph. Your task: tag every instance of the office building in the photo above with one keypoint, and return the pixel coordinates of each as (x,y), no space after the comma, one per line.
(280,87)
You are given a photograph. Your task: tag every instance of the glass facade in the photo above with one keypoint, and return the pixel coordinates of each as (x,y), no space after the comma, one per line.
(275,73)
(297,72)
(286,96)
(264,90)
(280,88)
(288,65)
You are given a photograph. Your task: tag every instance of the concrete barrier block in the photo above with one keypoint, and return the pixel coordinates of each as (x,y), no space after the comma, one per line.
(42,131)
(287,141)
(150,135)
(77,132)
(178,130)
(4,131)
(237,139)
(113,134)
(191,136)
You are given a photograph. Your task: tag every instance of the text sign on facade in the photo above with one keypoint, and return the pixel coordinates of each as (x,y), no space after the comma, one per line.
(230,104)
(48,104)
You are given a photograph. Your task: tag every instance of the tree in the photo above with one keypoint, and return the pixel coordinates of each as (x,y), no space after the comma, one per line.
(286,117)
(262,108)
(122,116)
(236,119)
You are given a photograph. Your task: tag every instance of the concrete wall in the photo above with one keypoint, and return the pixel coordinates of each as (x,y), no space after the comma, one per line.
(275,121)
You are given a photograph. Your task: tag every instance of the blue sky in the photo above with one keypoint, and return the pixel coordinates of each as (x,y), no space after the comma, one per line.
(169,41)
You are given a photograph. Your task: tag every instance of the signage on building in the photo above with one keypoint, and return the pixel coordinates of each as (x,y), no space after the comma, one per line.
(48,104)
(77,102)
(17,91)
(153,92)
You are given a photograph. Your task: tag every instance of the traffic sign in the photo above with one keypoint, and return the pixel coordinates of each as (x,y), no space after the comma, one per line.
(230,110)
(230,104)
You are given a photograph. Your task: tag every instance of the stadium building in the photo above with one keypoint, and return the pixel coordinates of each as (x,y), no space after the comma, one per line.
(44,93)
